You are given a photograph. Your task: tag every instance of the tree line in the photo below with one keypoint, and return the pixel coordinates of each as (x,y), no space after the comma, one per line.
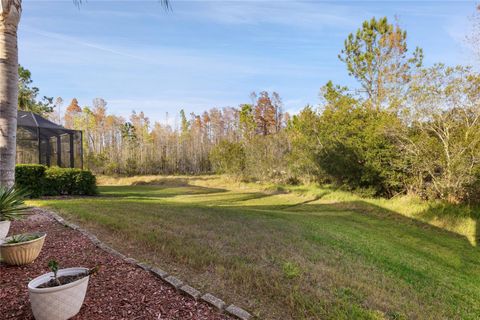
(409,129)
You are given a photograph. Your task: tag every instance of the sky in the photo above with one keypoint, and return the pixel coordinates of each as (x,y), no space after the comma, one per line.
(205,54)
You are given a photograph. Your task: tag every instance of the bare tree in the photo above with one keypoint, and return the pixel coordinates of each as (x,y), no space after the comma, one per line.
(441,132)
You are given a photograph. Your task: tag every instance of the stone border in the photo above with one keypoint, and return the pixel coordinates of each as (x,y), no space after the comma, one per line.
(175,282)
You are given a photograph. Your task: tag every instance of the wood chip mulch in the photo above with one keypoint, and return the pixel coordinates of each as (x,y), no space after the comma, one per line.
(119,291)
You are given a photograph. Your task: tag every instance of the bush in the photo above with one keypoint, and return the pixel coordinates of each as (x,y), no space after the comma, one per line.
(40,180)
(131,167)
(31,178)
(69,181)
(228,157)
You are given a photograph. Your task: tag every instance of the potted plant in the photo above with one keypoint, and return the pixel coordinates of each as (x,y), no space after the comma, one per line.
(22,248)
(59,295)
(12,207)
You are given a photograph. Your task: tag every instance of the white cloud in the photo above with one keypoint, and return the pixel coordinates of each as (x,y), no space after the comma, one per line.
(311,15)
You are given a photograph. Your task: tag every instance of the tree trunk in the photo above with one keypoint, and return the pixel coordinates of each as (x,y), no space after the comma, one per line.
(10,16)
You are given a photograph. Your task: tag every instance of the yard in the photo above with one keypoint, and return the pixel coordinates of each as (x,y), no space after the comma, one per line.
(297,253)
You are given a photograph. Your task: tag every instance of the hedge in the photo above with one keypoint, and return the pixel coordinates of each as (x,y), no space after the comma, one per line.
(39,180)
(31,177)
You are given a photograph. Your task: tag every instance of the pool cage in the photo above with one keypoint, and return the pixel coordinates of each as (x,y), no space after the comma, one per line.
(41,141)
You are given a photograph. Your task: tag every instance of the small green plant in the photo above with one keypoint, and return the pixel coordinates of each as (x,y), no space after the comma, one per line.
(19,238)
(53,265)
(12,204)
(291,270)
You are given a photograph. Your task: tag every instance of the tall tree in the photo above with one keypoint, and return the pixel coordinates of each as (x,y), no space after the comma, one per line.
(247,121)
(72,111)
(184,122)
(267,113)
(376,55)
(99,115)
(27,95)
(56,115)
(303,133)
(278,111)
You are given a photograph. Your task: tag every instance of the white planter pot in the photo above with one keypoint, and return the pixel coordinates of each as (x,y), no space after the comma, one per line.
(4,227)
(57,303)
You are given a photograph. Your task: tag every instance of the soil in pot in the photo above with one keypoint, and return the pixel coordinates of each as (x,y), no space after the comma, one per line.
(60,281)
(63,280)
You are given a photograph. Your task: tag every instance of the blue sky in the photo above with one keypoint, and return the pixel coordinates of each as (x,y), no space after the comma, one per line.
(206,54)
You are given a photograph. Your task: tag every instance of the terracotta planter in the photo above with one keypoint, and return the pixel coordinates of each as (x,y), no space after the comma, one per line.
(4,227)
(57,303)
(23,252)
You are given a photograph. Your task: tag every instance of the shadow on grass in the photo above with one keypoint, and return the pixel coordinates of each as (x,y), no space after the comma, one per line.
(447,214)
(454,215)
(158,188)
(169,181)
(450,214)
(207,199)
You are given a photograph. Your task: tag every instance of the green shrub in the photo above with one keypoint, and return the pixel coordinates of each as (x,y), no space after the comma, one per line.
(131,167)
(69,181)
(39,180)
(228,157)
(31,178)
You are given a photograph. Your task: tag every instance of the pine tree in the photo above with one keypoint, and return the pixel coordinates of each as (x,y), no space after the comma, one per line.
(376,55)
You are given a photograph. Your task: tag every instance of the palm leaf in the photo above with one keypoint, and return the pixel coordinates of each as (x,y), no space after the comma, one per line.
(12,203)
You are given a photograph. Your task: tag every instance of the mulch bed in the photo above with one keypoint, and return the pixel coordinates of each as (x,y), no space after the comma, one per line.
(119,291)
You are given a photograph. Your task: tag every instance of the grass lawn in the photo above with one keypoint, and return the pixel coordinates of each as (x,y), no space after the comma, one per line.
(308,253)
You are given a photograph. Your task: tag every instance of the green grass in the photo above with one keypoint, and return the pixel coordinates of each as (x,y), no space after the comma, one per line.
(293,252)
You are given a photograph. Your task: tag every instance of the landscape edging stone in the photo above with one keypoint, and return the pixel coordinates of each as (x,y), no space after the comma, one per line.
(174,281)
(191,291)
(238,312)
(214,301)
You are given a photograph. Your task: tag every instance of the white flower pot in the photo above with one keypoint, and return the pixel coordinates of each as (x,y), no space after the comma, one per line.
(57,303)
(4,227)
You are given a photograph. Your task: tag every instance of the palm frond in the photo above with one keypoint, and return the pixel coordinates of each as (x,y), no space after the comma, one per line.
(22,238)
(12,203)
